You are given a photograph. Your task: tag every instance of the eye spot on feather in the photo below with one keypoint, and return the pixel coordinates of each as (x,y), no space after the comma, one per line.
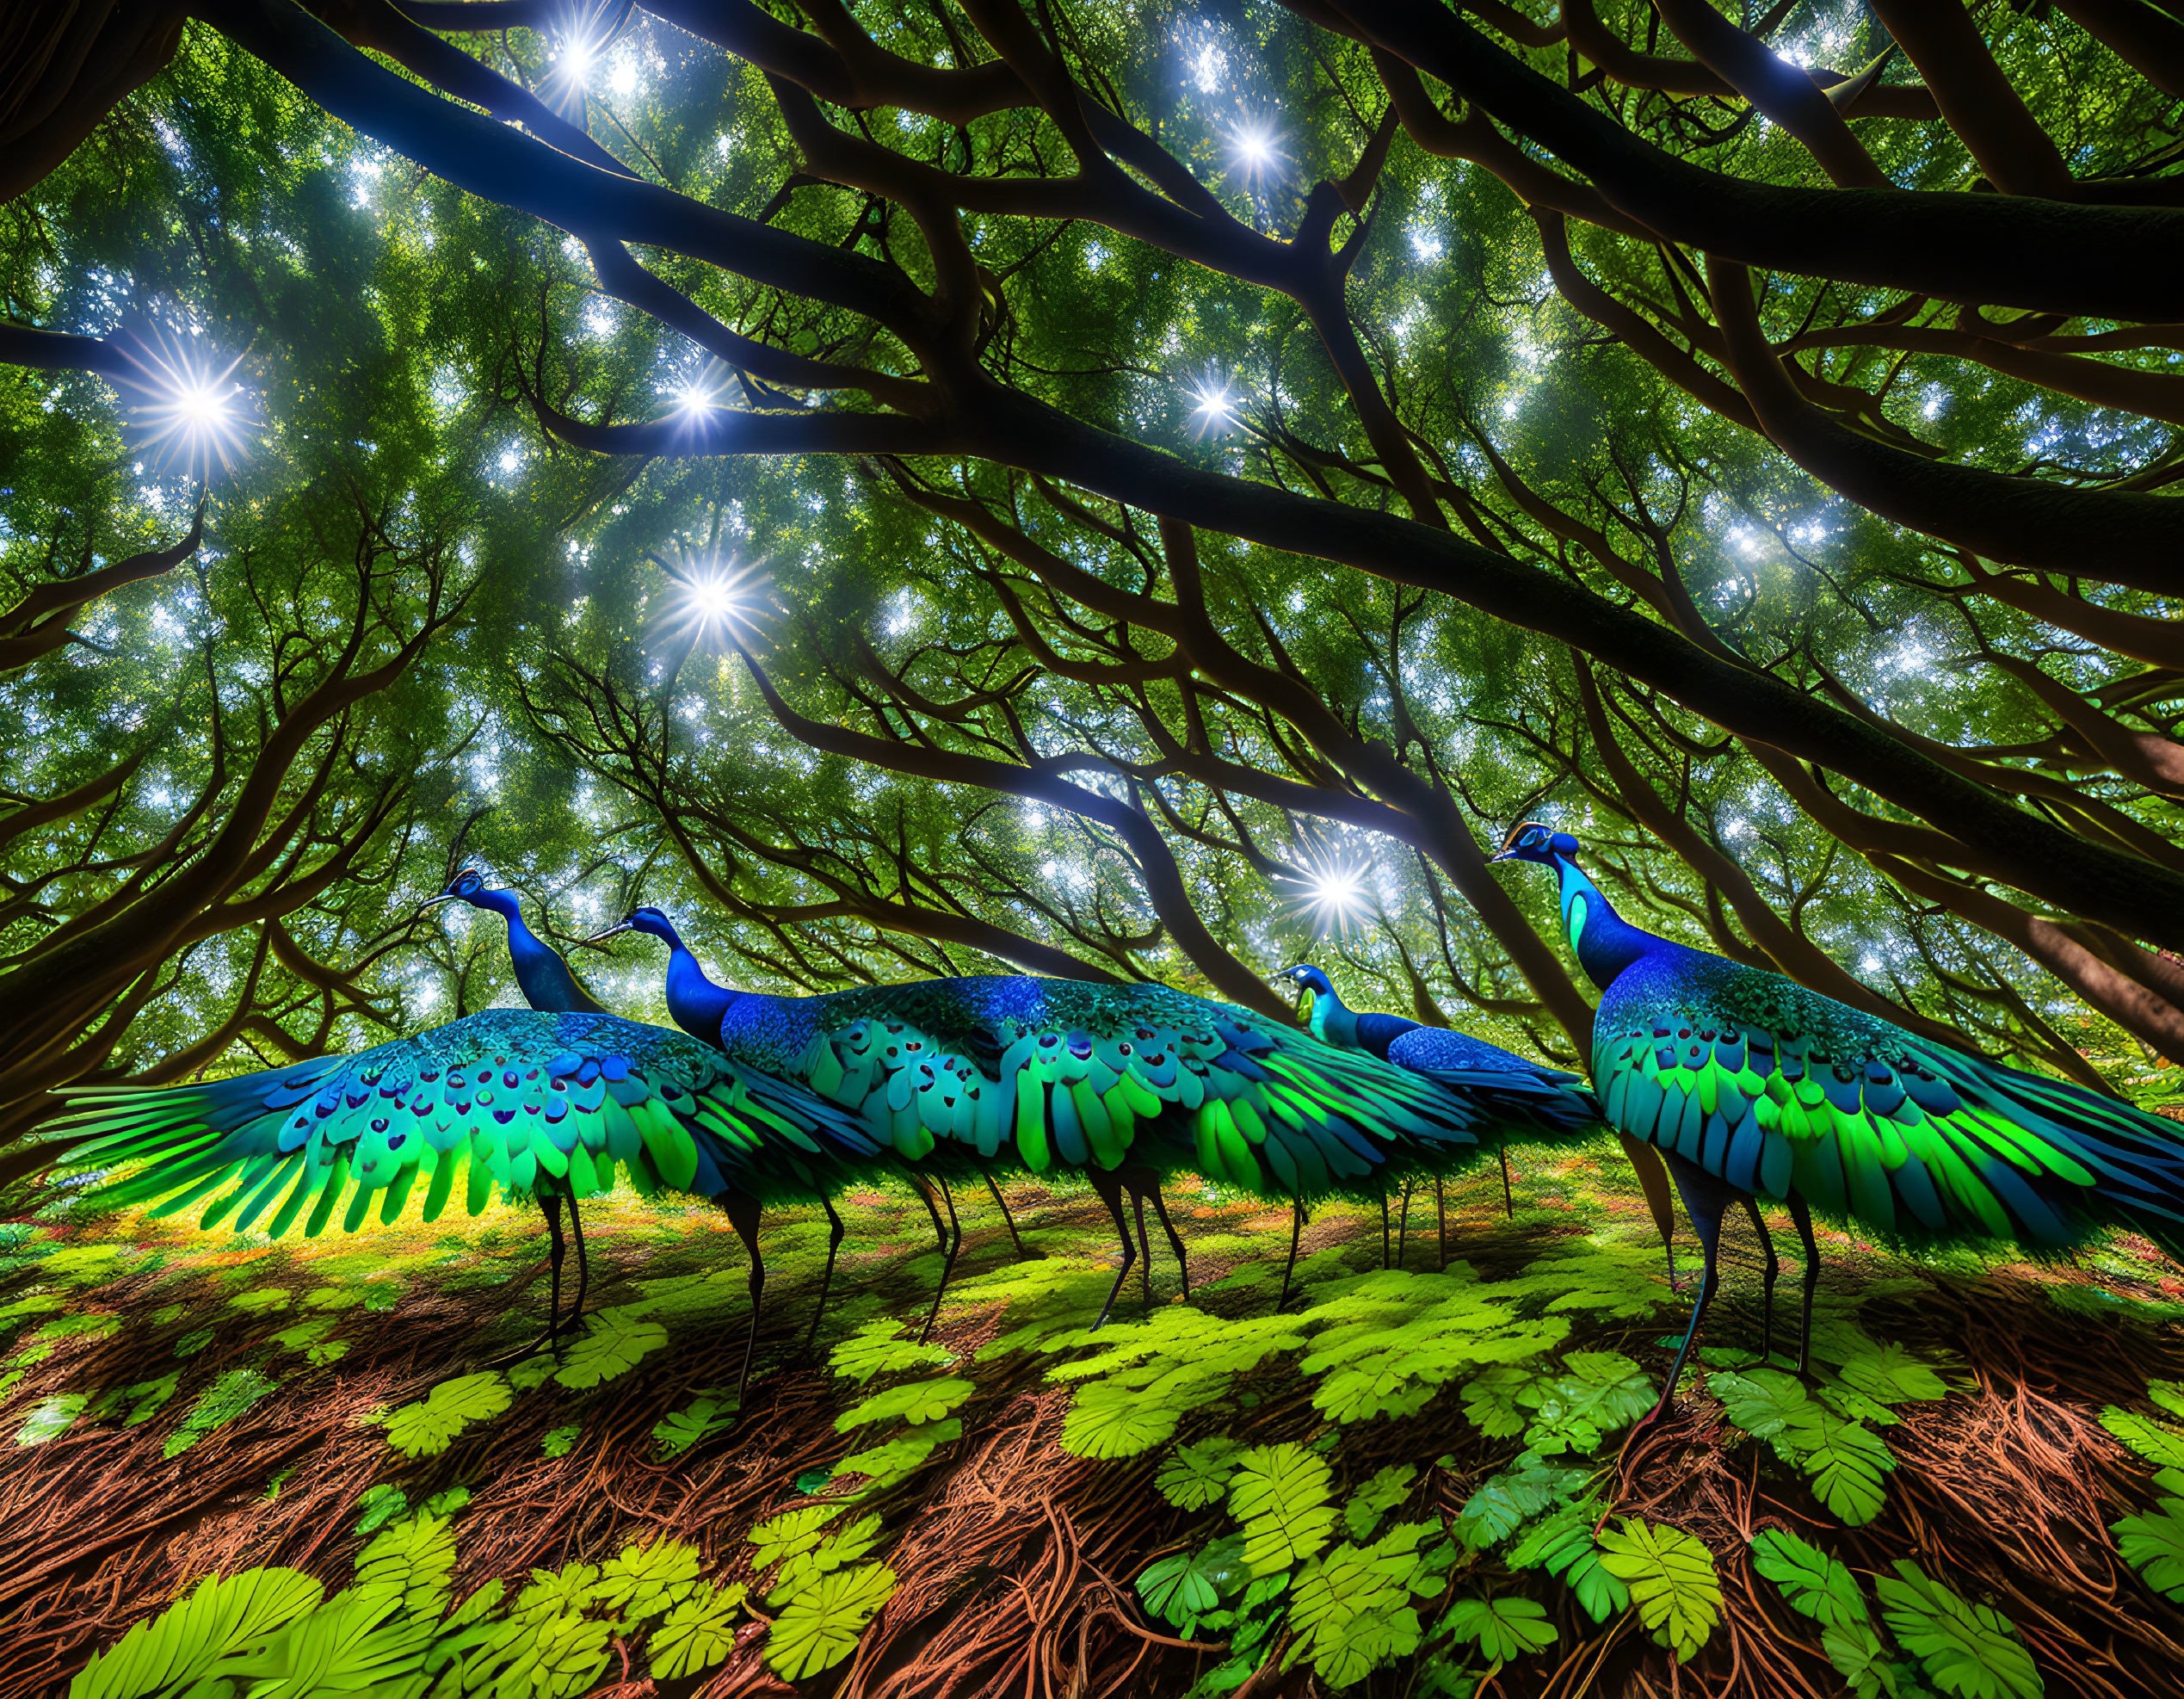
(379,1125)
(398,1141)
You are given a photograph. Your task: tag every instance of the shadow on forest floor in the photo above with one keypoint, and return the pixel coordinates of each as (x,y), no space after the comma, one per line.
(1441,1455)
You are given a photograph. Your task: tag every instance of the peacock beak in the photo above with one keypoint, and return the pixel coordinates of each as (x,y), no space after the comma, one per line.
(1501,856)
(600,938)
(434,902)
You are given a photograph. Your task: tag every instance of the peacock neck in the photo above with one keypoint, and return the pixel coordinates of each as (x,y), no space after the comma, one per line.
(1605,942)
(1330,1023)
(542,975)
(694,1002)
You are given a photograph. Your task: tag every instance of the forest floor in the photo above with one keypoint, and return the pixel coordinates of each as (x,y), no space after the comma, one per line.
(975,1519)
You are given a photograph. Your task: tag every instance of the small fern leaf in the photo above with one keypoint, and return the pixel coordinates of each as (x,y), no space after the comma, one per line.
(1184,1587)
(706,1416)
(1672,1581)
(2153,1544)
(840,1548)
(2163,1446)
(791,1533)
(897,1458)
(1110,1420)
(1503,1628)
(218,1617)
(1198,1475)
(874,1349)
(617,1343)
(648,1580)
(916,1402)
(411,1561)
(430,1425)
(1966,1649)
(698,1633)
(1279,1493)
(1388,1488)
(1847,1461)
(1814,1583)
(1891,1374)
(822,1625)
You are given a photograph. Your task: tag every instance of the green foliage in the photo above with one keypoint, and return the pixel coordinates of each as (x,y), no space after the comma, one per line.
(434,1423)
(1195,1476)
(1503,1502)
(51,1418)
(1184,1587)
(897,1458)
(836,1549)
(220,1403)
(916,1402)
(820,1626)
(1388,1487)
(1671,1579)
(1503,1628)
(648,1580)
(616,1342)
(874,1349)
(1966,1649)
(556,1442)
(1279,1493)
(214,1620)
(1563,1544)
(1845,1460)
(190,1343)
(791,1533)
(1598,1393)
(1891,1375)
(2164,1447)
(704,1416)
(697,1634)
(1819,1587)
(1351,1608)
(411,1561)
(2153,1544)
(379,1504)
(260,1299)
(1394,1339)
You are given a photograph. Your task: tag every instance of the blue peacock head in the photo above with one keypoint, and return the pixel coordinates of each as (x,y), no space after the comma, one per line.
(466,886)
(1533,842)
(649,921)
(1306,978)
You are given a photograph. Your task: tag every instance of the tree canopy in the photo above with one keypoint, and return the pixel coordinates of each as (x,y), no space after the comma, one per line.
(1100,489)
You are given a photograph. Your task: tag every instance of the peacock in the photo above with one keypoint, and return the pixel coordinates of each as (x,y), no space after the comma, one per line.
(1105,1079)
(539,1105)
(778,1141)
(1551,1096)
(1752,1086)
(696,1005)
(1557,1102)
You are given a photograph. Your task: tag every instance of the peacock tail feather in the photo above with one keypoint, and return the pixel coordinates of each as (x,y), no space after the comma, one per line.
(1775,1088)
(1034,1071)
(511,1099)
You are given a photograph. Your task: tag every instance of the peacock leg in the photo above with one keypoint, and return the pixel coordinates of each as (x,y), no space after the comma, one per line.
(1773,1268)
(1704,1197)
(1440,1220)
(1385,1261)
(584,1263)
(835,1230)
(1021,1252)
(1145,1245)
(743,1215)
(1802,1217)
(1508,1197)
(1148,1183)
(949,1246)
(1296,1229)
(550,1204)
(1403,1224)
(1108,1185)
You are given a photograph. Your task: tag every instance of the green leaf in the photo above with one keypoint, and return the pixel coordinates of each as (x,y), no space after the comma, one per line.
(556,1440)
(896,1460)
(916,1402)
(558,1656)
(698,1633)
(1351,1607)
(445,1503)
(1110,1420)
(1561,1544)
(677,1433)
(821,1626)
(1505,1502)
(648,1579)
(1762,1403)
(874,1349)
(1891,1375)
(790,1533)
(1671,1579)
(51,1417)
(567,1592)
(1190,1584)
(429,1426)
(147,1398)
(842,1546)
(1862,1661)
(2161,1446)
(411,1561)
(1847,1461)
(2153,1544)
(220,1403)
(1967,1649)
(1819,1587)
(1279,1493)
(1388,1488)
(381,1504)
(217,1618)
(1197,1475)
(1503,1628)
(260,1299)
(617,1341)
(2168,1394)
(190,1343)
